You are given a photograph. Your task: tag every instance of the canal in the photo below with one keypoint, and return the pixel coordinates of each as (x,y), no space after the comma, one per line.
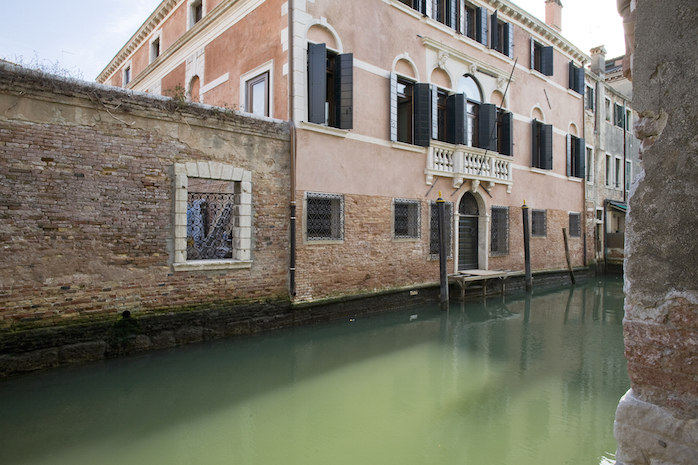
(514,380)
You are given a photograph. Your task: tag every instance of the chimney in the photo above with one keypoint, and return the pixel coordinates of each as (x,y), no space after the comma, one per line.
(598,60)
(553,14)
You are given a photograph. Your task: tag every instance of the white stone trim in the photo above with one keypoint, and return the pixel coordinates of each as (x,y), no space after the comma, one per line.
(242,233)
(267,67)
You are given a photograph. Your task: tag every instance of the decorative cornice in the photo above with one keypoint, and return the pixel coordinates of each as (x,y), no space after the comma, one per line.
(473,63)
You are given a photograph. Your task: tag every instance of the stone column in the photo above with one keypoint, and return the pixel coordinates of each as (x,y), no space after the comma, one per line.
(657,420)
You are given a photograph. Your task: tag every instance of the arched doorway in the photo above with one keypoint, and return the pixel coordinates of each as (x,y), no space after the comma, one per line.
(468,233)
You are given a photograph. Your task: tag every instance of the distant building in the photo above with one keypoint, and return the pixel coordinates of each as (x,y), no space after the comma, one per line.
(612,154)
(394,101)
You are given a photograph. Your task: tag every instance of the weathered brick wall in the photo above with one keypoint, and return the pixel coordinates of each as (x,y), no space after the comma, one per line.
(86,202)
(657,420)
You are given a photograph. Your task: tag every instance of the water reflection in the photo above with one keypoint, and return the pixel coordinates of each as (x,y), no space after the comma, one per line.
(514,380)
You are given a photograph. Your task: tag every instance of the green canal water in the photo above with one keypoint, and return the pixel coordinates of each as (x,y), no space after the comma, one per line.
(513,381)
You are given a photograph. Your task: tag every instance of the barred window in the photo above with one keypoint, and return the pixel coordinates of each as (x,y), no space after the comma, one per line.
(434,228)
(539,223)
(499,244)
(575,225)
(406,219)
(210,221)
(324,217)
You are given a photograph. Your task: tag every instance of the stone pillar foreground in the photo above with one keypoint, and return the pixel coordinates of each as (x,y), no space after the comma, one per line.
(657,420)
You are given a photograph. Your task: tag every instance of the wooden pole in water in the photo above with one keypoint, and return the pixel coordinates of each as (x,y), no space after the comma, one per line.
(527,248)
(443,274)
(567,255)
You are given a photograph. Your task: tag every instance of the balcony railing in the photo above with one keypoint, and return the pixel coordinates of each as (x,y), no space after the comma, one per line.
(463,163)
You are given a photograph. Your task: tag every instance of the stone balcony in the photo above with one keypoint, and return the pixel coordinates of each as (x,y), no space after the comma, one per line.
(462,163)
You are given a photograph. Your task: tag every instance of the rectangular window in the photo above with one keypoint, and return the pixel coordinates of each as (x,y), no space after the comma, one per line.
(499,243)
(576,78)
(406,219)
(628,174)
(154,49)
(405,111)
(330,87)
(442,115)
(196,12)
(541,58)
(609,171)
(127,75)
(618,173)
(413,107)
(628,119)
(619,115)
(324,217)
(575,225)
(257,95)
(590,165)
(470,21)
(419,5)
(589,99)
(502,36)
(215,221)
(576,156)
(434,228)
(505,132)
(541,145)
(539,223)
(608,109)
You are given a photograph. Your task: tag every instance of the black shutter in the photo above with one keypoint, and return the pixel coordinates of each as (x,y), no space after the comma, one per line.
(508,40)
(570,171)
(487,126)
(456,110)
(533,53)
(507,142)
(494,28)
(581,158)
(546,137)
(343,90)
(317,83)
(481,25)
(422,114)
(454,14)
(546,61)
(534,144)
(579,80)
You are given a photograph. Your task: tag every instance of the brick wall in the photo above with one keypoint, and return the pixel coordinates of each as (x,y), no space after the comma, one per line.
(87,207)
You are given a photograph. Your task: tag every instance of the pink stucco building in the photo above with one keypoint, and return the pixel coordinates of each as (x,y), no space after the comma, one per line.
(393,102)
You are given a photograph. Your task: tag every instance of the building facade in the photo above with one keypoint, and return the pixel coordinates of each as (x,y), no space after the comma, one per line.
(478,102)
(612,158)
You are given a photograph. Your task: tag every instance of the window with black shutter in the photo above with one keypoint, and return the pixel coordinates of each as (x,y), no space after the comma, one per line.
(422,114)
(330,87)
(619,115)
(487,126)
(502,36)
(576,78)
(481,25)
(470,21)
(575,156)
(541,145)
(505,132)
(541,58)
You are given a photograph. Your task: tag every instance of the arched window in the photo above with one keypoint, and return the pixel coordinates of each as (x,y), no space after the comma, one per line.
(469,86)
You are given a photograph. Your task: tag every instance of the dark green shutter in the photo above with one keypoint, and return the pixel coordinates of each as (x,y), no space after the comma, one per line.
(456,110)
(481,25)
(507,142)
(343,88)
(487,126)
(546,61)
(579,80)
(422,114)
(317,83)
(494,31)
(546,156)
(581,158)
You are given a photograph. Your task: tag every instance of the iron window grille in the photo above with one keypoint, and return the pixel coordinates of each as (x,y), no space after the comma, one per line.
(210,222)
(499,244)
(434,229)
(575,225)
(324,217)
(406,219)
(539,223)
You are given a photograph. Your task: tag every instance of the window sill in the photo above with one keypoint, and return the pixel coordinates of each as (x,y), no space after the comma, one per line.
(212,265)
(539,75)
(540,170)
(323,241)
(575,179)
(574,93)
(321,128)
(406,239)
(409,147)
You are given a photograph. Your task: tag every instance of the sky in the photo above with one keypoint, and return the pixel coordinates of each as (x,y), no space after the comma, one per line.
(82,36)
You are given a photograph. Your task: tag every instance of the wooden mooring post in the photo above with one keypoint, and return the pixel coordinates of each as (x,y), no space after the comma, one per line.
(443,258)
(567,255)
(527,248)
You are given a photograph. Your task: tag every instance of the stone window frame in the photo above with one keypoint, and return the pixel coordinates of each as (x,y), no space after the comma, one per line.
(574,220)
(336,222)
(192,6)
(127,74)
(252,75)
(155,48)
(242,235)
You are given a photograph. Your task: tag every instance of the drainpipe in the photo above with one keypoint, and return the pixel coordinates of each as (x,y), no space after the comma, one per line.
(292,225)
(605,236)
(585,229)
(625,143)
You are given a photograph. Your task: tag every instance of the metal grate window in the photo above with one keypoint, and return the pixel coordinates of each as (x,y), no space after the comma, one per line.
(406,219)
(539,223)
(500,231)
(575,225)
(210,225)
(324,217)
(434,228)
